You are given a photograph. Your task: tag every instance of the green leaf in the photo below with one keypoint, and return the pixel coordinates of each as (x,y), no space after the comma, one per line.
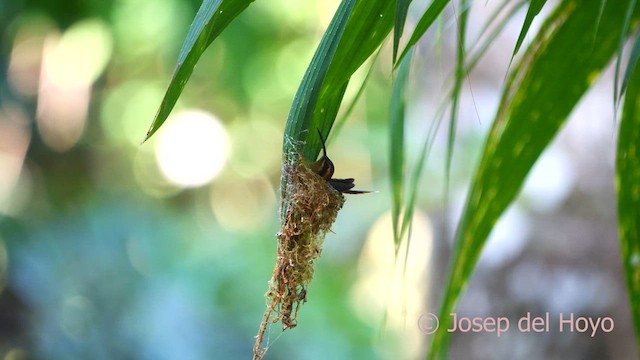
(339,123)
(370,22)
(628,188)
(404,196)
(478,51)
(308,93)
(534,9)
(460,75)
(402,7)
(602,5)
(554,73)
(427,19)
(625,27)
(631,65)
(212,18)
(396,146)
(414,182)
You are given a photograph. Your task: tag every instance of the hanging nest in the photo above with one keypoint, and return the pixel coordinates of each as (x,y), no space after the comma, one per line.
(309,208)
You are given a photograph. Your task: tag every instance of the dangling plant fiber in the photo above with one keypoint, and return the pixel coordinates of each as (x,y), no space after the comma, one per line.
(309,208)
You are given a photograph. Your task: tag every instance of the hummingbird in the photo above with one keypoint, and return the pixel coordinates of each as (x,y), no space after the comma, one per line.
(324,167)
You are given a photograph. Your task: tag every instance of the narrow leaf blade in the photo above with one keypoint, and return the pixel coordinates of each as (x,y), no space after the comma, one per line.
(631,64)
(425,22)
(534,10)
(212,18)
(628,188)
(625,27)
(402,8)
(460,75)
(396,145)
(304,103)
(543,89)
(369,24)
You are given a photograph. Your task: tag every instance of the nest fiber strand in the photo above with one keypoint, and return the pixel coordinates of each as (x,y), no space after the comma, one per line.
(310,206)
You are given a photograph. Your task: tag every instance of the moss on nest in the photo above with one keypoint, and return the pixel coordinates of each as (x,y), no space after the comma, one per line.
(309,208)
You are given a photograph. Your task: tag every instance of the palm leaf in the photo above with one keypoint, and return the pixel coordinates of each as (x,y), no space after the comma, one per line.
(631,65)
(308,93)
(428,18)
(460,75)
(628,187)
(542,90)
(625,27)
(402,7)
(534,9)
(396,147)
(212,18)
(370,22)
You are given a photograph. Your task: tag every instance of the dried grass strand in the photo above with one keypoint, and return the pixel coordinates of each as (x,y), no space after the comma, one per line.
(309,208)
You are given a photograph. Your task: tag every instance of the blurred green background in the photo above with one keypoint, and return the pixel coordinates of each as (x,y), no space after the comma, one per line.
(113,249)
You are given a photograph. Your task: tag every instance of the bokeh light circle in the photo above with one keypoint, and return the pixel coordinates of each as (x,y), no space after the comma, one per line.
(192,148)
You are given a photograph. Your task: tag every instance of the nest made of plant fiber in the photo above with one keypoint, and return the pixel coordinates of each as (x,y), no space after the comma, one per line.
(310,206)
